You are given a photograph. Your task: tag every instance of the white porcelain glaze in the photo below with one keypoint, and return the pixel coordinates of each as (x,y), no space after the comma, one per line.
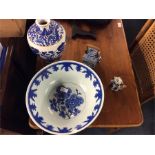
(86,90)
(47,38)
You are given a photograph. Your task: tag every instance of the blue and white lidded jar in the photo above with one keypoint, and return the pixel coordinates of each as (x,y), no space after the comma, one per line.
(46,38)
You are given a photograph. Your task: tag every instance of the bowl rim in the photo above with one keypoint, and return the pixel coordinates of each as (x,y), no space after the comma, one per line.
(75,130)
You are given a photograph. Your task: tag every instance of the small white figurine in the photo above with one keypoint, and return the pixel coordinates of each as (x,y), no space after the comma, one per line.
(117,84)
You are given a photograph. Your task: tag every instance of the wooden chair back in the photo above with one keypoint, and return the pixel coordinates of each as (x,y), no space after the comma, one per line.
(143,60)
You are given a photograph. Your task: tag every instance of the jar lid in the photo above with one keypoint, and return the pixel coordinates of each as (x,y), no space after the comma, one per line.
(45,32)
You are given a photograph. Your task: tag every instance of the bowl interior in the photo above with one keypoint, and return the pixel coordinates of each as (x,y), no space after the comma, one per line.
(64,97)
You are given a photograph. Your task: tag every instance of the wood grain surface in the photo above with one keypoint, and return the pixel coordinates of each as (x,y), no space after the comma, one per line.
(121,109)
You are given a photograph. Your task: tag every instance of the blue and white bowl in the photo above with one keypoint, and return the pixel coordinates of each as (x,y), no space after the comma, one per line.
(64,97)
(47,38)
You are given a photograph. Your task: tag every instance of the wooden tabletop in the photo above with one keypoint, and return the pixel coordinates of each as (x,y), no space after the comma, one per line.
(121,109)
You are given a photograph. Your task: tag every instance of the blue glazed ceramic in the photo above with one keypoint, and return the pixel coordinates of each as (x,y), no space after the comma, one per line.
(66,102)
(47,39)
(64,97)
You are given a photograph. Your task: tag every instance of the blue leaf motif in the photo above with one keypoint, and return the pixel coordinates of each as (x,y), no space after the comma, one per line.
(97,107)
(39,119)
(78,68)
(64,130)
(66,67)
(36,82)
(32,107)
(95,83)
(45,74)
(32,94)
(55,68)
(88,74)
(90,118)
(49,127)
(78,127)
(98,95)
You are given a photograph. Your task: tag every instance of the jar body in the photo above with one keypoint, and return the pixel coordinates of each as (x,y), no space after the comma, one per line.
(47,40)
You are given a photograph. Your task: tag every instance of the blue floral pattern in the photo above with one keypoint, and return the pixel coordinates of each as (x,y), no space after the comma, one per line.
(46,37)
(65,102)
(49,55)
(71,99)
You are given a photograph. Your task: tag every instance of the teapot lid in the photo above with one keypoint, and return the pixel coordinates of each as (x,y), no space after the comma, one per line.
(45,32)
